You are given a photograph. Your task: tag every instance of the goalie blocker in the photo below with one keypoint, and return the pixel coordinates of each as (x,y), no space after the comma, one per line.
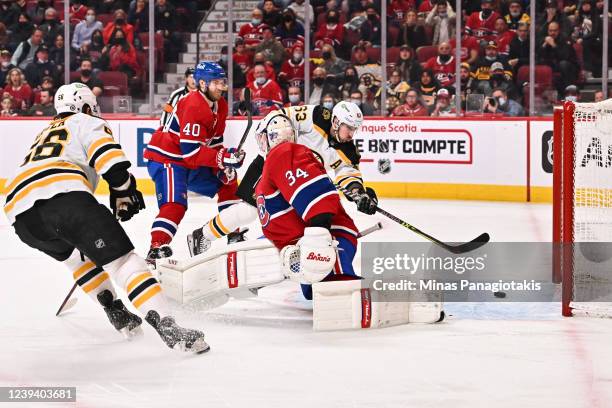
(239,269)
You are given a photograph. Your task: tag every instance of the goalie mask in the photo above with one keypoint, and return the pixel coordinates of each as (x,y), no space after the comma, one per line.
(274,129)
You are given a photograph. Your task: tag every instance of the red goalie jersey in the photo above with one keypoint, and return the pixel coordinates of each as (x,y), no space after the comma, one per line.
(293,189)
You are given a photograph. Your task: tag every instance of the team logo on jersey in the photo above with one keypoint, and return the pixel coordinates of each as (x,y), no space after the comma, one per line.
(264,215)
(326,114)
(384,166)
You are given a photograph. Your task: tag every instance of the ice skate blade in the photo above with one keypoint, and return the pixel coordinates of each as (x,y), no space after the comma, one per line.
(198,347)
(131,334)
(190,245)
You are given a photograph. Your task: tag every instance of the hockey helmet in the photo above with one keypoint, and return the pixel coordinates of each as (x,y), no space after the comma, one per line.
(274,129)
(208,71)
(74,97)
(346,113)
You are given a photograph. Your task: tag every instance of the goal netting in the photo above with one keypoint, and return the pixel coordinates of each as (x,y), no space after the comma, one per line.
(582,206)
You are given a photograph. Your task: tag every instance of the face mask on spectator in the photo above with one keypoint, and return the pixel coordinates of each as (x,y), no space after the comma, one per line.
(288,18)
(224,57)
(86,72)
(571,98)
(255,21)
(297,56)
(515,14)
(490,57)
(90,18)
(445,58)
(326,55)
(332,19)
(356,101)
(260,80)
(372,17)
(294,98)
(443,15)
(486,13)
(328,105)
(318,81)
(119,21)
(501,101)
(498,77)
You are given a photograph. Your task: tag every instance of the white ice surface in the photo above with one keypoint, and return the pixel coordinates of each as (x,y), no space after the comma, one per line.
(265,354)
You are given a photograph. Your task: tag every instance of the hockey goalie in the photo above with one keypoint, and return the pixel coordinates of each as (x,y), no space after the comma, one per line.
(311,240)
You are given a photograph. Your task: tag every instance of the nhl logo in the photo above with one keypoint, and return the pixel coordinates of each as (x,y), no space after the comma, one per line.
(384,166)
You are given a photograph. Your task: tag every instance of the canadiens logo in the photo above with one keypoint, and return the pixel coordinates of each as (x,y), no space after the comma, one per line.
(264,215)
(317,257)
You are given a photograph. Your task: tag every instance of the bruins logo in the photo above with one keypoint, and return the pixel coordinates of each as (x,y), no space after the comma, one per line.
(326,114)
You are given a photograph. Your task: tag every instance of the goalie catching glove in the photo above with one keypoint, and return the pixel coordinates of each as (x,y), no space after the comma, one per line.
(125,200)
(366,199)
(312,258)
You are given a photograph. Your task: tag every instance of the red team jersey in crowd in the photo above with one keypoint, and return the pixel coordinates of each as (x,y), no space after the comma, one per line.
(479,28)
(444,72)
(468,44)
(293,73)
(194,135)
(266,97)
(425,6)
(503,42)
(252,35)
(293,189)
(397,9)
(244,61)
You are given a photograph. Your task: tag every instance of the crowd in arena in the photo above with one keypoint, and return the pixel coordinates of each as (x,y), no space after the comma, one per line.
(106,36)
(345,52)
(345,61)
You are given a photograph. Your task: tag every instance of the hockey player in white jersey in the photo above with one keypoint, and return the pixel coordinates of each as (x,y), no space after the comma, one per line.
(50,204)
(329,134)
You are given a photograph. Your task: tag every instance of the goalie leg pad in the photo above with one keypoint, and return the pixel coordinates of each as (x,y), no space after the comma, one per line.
(342,305)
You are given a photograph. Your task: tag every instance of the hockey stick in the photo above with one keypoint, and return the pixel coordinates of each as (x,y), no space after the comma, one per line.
(68,303)
(247,100)
(368,231)
(455,249)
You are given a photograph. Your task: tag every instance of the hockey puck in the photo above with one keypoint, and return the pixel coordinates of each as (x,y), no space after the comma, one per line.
(500,295)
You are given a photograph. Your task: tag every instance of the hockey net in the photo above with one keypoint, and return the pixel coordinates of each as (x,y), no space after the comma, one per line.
(582,207)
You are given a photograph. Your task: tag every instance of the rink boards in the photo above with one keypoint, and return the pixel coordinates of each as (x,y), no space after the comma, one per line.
(445,158)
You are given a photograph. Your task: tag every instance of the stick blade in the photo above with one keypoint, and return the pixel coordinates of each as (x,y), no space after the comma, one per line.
(476,243)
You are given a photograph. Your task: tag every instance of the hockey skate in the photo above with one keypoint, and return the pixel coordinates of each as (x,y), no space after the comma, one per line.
(176,337)
(126,322)
(158,251)
(197,242)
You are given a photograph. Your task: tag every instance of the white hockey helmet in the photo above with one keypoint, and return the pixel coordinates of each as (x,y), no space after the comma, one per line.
(74,97)
(272,130)
(346,113)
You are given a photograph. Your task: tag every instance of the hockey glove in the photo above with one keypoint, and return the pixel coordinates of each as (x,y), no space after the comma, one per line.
(227,176)
(125,200)
(230,157)
(366,200)
(312,258)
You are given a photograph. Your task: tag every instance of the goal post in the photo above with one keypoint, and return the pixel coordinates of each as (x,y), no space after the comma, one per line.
(582,206)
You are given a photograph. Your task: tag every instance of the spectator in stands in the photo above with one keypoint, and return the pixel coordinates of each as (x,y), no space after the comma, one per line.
(599,96)
(443,65)
(56,53)
(408,66)
(77,10)
(240,107)
(5,65)
(330,31)
(119,23)
(357,99)
(360,56)
(4,37)
(588,32)
(552,15)
(516,15)
(48,84)
(397,10)
(266,94)
(243,58)
(466,81)
(51,26)
(328,101)
(272,49)
(519,48)
(271,15)
(44,107)
(122,55)
(260,59)
(371,28)
(21,30)
(504,37)
(107,6)
(299,7)
(427,87)
(571,94)
(369,86)
(84,30)
(482,68)
(7,13)
(470,48)
(139,17)
(252,32)
(41,67)
(500,103)
(37,13)
(294,94)
(396,86)
(92,51)
(319,86)
(18,89)
(481,24)
(293,69)
(443,22)
(497,80)
(6,107)
(26,51)
(442,106)
(557,52)
(88,78)
(412,33)
(412,106)
(166,25)
(290,31)
(334,66)
(239,79)
(349,84)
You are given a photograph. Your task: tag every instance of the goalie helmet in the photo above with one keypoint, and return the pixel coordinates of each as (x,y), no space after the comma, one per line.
(346,113)
(74,98)
(274,129)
